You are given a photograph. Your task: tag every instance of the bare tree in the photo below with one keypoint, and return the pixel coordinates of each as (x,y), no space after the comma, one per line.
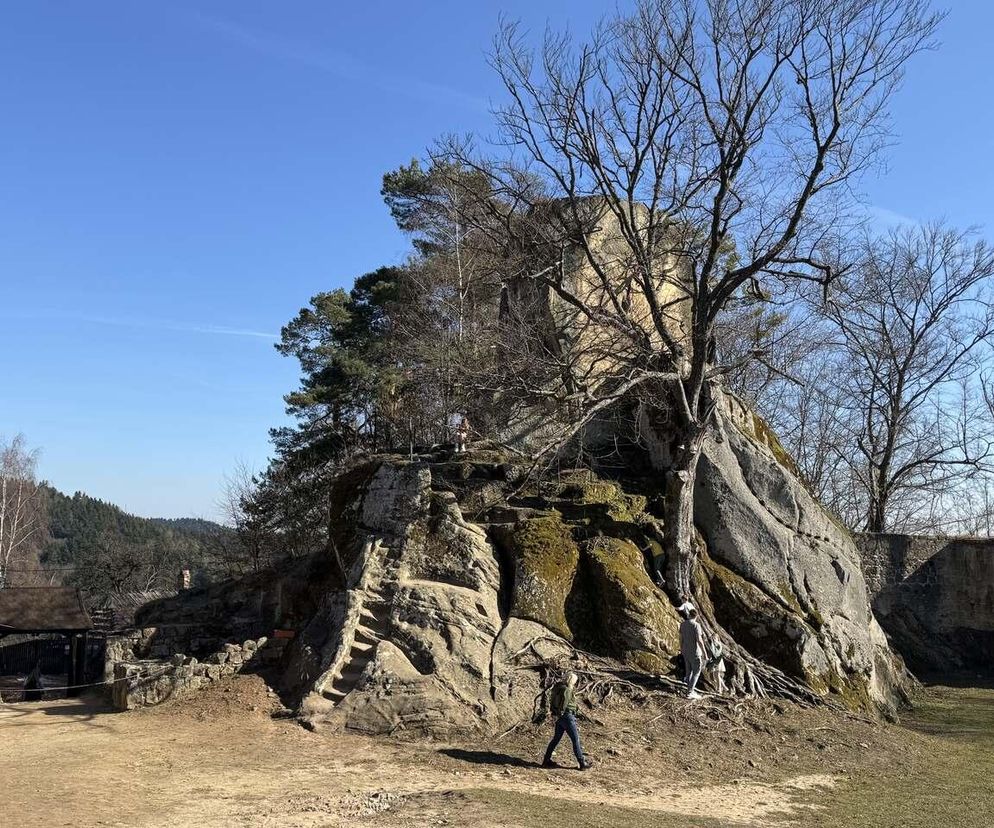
(245,543)
(810,412)
(715,143)
(914,319)
(22,505)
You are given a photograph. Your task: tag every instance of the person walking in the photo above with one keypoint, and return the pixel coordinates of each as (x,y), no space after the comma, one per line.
(562,701)
(693,651)
(33,688)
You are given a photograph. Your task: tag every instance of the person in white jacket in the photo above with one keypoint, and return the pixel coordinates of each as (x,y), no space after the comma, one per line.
(693,651)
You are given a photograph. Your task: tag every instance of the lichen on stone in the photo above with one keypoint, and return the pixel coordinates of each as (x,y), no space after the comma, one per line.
(637,622)
(545,558)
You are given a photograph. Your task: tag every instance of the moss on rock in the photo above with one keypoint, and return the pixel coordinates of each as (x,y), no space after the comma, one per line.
(773,633)
(613,501)
(636,621)
(545,558)
(762,625)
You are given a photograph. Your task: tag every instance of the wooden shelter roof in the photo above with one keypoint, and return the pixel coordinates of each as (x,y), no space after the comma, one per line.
(42,609)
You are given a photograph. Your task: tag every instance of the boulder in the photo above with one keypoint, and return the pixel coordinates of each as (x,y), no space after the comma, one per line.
(544,557)
(784,576)
(639,624)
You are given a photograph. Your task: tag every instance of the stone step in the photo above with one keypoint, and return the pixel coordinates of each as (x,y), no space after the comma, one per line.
(372,621)
(367,636)
(512,514)
(347,681)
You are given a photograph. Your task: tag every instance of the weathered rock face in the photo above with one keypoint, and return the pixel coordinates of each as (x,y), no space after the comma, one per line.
(419,640)
(785,579)
(640,628)
(545,558)
(579,552)
(452,584)
(935,598)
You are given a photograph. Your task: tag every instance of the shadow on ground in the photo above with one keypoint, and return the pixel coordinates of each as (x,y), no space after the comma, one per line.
(488,757)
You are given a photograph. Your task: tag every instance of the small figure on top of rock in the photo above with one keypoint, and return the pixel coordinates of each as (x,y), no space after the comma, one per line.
(462,433)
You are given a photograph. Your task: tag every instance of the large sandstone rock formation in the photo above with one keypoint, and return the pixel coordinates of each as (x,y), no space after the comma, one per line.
(784,577)
(447,623)
(452,583)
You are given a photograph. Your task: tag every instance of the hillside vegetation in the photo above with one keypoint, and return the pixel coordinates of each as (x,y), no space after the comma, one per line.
(101,548)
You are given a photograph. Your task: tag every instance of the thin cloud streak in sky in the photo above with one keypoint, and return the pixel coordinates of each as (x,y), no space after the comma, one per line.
(146,324)
(182,327)
(890,218)
(337,63)
(215,329)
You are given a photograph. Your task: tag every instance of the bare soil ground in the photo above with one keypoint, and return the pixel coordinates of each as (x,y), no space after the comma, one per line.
(222,759)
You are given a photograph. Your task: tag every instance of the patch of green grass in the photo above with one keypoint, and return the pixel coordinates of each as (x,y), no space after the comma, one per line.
(964,714)
(941,777)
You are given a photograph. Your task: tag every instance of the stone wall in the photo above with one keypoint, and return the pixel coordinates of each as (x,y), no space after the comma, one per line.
(139,682)
(934,596)
(156,644)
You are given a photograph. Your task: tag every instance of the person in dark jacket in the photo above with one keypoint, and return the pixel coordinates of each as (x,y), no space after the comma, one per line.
(32,684)
(562,700)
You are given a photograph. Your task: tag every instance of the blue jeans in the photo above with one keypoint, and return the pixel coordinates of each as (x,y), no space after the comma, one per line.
(565,724)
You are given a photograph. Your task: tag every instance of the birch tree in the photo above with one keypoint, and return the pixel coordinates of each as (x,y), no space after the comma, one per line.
(22,506)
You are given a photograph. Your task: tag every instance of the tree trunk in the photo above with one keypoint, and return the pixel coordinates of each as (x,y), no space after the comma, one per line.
(876,520)
(678,526)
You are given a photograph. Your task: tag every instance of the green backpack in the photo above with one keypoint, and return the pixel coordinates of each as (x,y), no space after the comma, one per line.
(557,699)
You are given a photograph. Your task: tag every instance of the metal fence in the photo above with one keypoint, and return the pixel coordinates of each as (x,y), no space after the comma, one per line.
(19,657)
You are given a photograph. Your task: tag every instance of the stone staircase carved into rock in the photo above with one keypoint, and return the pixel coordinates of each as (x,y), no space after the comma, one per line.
(365,626)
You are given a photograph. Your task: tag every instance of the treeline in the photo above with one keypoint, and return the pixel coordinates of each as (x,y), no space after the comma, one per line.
(104,550)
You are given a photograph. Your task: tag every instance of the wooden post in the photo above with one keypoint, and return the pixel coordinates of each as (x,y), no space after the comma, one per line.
(77,664)
(71,666)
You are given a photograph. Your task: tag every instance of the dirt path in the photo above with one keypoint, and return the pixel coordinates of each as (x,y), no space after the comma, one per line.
(73,763)
(221,759)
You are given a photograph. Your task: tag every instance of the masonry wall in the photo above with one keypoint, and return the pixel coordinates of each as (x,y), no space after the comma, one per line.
(200,636)
(934,596)
(145,682)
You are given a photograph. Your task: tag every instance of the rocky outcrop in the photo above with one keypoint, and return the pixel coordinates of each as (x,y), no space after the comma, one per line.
(452,584)
(420,641)
(784,577)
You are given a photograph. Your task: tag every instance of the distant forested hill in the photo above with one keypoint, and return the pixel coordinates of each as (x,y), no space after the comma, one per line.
(194,527)
(103,549)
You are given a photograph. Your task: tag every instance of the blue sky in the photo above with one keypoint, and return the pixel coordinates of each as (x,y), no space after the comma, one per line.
(178,178)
